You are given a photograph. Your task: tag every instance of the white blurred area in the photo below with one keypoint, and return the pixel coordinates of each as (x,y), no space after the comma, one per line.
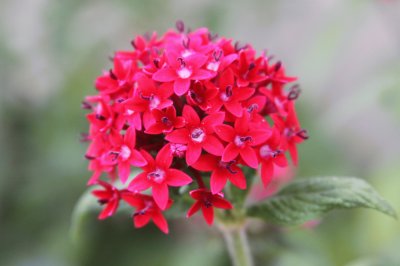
(346,53)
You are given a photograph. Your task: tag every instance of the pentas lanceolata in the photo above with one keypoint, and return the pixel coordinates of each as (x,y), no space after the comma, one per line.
(187,106)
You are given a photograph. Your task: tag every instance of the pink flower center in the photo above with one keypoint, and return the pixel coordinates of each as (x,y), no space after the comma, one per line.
(198,135)
(184,72)
(125,152)
(157,176)
(267,152)
(240,141)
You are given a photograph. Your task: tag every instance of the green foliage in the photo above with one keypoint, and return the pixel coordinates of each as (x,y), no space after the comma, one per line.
(308,199)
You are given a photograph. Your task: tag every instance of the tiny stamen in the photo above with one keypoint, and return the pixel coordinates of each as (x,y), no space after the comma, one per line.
(216,56)
(156,63)
(294,92)
(303,134)
(252,107)
(112,75)
(228,91)
(278,66)
(186,43)
(252,65)
(89,157)
(102,201)
(85,105)
(180,26)
(147,98)
(100,117)
(182,62)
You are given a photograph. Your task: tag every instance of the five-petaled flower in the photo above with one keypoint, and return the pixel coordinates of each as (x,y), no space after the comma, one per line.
(186,105)
(206,201)
(146,210)
(109,197)
(198,134)
(158,175)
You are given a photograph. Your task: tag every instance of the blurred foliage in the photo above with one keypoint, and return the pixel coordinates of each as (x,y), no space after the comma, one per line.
(346,54)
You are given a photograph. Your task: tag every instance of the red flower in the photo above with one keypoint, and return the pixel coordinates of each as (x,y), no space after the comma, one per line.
(221,172)
(206,201)
(146,210)
(109,197)
(271,153)
(188,101)
(158,175)
(292,133)
(165,121)
(123,153)
(182,70)
(241,140)
(198,134)
(231,96)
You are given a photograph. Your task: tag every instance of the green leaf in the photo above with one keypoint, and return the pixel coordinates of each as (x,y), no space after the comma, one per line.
(307,199)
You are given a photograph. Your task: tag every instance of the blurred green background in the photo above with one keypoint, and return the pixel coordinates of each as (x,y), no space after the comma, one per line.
(346,53)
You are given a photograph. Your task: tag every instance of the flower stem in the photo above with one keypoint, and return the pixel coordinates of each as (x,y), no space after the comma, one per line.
(238,245)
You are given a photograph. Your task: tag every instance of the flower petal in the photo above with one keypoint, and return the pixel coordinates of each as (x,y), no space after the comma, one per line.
(217,181)
(181,86)
(139,183)
(124,170)
(213,145)
(225,132)
(249,156)
(161,195)
(234,108)
(164,157)
(166,74)
(193,209)
(177,178)
(208,214)
(267,171)
(180,136)
(141,220)
(230,153)
(201,74)
(193,153)
(109,210)
(237,179)
(190,115)
(212,120)
(160,222)
(206,162)
(222,203)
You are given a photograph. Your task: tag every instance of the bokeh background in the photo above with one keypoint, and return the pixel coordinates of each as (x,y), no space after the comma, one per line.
(346,54)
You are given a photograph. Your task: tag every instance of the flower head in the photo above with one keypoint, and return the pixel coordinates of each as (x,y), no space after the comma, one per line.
(188,106)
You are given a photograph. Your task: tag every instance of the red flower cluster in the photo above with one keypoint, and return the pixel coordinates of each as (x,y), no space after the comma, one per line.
(187,104)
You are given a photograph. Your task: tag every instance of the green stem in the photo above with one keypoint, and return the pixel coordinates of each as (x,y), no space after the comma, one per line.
(238,245)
